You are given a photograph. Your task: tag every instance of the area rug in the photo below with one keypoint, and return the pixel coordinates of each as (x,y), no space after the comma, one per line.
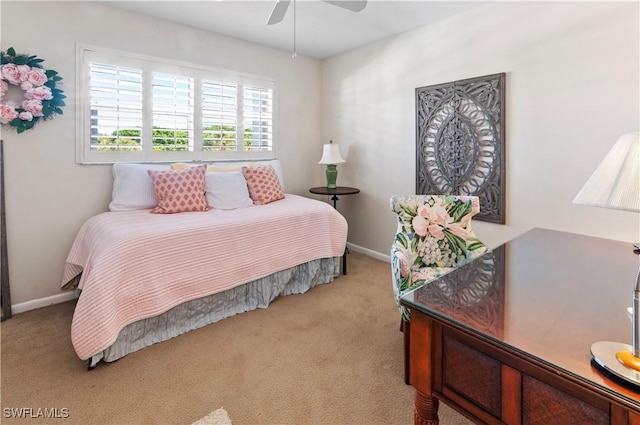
(217,417)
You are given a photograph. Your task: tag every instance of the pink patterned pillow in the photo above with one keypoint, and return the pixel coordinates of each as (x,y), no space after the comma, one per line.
(263,184)
(179,191)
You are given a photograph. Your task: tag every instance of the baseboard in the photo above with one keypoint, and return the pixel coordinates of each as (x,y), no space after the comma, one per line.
(371,253)
(42,302)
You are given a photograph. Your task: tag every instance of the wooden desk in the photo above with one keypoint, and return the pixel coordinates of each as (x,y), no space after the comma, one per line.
(506,339)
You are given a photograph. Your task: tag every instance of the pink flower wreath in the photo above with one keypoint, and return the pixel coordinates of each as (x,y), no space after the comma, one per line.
(41,100)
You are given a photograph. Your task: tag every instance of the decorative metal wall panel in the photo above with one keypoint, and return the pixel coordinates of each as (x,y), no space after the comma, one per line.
(460,142)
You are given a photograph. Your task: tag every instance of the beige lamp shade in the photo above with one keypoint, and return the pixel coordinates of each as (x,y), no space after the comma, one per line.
(331,154)
(616,182)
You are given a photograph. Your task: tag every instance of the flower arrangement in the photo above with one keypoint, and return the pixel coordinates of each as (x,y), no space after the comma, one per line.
(41,98)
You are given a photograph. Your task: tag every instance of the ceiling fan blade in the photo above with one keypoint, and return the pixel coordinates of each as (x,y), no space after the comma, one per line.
(278,12)
(353,5)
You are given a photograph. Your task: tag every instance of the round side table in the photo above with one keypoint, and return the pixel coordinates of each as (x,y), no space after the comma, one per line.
(339,190)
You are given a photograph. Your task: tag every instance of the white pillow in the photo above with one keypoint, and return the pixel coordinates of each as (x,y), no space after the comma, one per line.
(227,191)
(132,187)
(274,162)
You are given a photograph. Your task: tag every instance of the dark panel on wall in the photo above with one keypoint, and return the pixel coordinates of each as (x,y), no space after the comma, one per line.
(460,144)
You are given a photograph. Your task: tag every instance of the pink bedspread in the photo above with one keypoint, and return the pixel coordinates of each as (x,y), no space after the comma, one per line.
(137,265)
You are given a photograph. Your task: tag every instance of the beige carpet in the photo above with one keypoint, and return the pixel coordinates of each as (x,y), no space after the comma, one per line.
(330,356)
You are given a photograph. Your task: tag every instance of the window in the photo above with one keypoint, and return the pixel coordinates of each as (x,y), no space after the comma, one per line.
(135,108)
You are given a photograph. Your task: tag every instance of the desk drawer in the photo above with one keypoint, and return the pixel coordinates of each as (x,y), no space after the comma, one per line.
(472,375)
(543,404)
(499,388)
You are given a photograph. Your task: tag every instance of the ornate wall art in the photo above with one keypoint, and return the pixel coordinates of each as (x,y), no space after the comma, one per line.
(460,142)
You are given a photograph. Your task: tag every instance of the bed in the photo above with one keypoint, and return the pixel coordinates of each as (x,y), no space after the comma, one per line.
(144,278)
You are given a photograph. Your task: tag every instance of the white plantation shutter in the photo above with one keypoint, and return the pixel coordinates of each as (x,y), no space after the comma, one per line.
(137,108)
(258,118)
(116,108)
(219,116)
(172,122)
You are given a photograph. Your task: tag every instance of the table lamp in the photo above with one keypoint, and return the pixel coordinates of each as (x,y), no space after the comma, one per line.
(331,156)
(616,184)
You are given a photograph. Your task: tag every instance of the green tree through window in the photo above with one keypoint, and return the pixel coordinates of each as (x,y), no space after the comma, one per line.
(215,138)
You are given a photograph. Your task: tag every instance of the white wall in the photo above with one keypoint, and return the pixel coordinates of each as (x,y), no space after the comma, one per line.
(573,72)
(49,196)
(572,88)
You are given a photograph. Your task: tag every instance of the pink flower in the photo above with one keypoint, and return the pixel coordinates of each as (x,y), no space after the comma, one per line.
(420,225)
(403,261)
(7,113)
(436,231)
(24,71)
(34,106)
(3,87)
(431,220)
(436,214)
(37,77)
(10,73)
(25,85)
(459,229)
(39,93)
(25,116)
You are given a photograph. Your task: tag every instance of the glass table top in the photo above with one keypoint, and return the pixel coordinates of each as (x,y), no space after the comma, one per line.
(546,294)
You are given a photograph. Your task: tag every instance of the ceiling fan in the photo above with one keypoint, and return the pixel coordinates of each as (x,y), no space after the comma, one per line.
(281,6)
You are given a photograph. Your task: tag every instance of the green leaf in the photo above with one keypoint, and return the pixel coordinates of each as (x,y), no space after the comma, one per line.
(473,244)
(417,262)
(402,240)
(35,62)
(3,59)
(459,210)
(20,60)
(50,73)
(11,52)
(46,110)
(56,78)
(405,282)
(29,124)
(15,122)
(51,85)
(58,110)
(456,243)
(20,129)
(409,211)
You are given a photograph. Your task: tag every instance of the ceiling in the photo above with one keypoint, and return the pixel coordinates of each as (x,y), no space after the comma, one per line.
(322,30)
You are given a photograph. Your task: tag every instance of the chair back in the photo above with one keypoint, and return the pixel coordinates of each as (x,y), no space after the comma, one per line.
(434,235)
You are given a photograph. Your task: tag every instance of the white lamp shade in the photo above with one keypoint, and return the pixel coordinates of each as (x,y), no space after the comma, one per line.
(331,154)
(616,182)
